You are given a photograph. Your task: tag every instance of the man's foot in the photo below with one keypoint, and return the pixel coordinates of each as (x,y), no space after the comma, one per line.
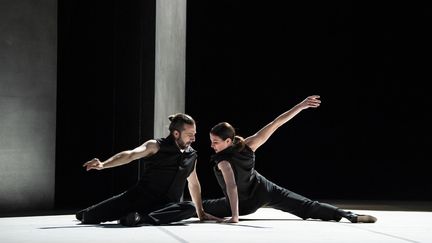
(130,220)
(85,218)
(360,218)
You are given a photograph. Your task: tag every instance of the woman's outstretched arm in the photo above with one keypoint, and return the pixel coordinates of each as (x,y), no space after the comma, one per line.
(259,138)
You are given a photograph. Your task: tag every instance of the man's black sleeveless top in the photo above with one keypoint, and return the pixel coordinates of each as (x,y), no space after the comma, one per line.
(166,171)
(242,163)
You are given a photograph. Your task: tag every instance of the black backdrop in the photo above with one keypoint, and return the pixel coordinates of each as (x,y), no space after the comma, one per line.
(105,94)
(246,63)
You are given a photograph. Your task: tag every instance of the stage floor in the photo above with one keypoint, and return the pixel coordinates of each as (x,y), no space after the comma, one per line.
(395,224)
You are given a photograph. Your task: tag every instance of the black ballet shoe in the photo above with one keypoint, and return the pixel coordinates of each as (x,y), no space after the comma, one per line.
(85,218)
(79,215)
(130,220)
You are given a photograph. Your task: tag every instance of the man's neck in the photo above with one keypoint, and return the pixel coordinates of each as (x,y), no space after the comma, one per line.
(181,150)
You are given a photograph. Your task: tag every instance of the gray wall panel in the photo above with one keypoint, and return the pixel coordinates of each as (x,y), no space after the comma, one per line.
(28,56)
(170,62)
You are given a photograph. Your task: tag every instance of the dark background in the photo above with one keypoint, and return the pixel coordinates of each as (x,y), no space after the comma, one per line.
(105,55)
(246,63)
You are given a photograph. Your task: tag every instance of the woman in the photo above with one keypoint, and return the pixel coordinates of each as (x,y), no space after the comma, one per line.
(246,190)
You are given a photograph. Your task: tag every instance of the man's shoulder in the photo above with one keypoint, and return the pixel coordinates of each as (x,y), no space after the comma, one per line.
(152,143)
(162,141)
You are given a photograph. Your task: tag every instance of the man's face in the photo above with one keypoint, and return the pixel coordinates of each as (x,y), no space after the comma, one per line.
(186,137)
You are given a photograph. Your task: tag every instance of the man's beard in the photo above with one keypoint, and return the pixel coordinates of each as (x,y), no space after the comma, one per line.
(181,144)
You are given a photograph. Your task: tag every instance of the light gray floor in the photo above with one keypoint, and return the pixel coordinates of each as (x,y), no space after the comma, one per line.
(266,225)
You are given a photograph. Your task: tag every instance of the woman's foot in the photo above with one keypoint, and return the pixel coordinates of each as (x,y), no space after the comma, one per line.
(360,218)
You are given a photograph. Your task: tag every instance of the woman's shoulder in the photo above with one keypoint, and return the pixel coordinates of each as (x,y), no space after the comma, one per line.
(246,152)
(226,154)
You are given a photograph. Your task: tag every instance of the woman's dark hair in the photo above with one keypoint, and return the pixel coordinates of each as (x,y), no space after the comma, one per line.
(178,121)
(224,130)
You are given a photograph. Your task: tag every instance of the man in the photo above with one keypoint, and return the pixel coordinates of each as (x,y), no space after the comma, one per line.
(156,197)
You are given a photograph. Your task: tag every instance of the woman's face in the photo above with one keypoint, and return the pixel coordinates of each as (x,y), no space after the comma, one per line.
(218,144)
